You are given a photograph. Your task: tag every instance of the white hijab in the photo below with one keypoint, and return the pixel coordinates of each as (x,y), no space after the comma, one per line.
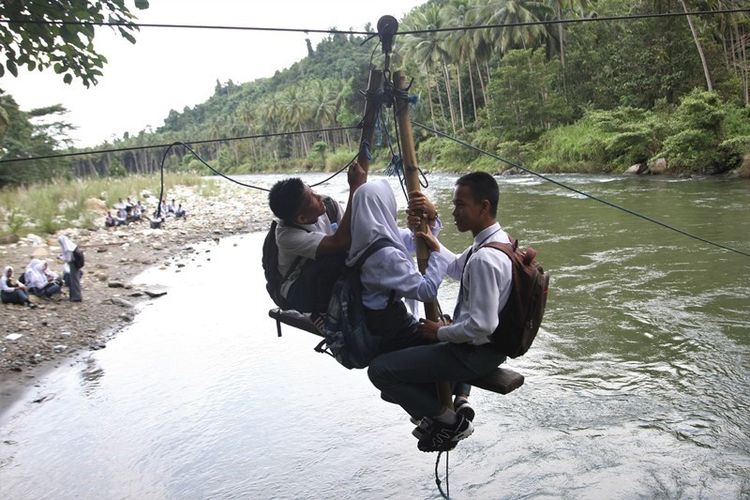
(67,247)
(66,244)
(5,272)
(373,218)
(35,277)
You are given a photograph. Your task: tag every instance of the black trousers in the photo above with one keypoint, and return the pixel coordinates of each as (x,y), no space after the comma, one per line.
(311,291)
(395,325)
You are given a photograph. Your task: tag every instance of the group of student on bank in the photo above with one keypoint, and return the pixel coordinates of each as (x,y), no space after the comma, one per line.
(37,279)
(414,353)
(128,211)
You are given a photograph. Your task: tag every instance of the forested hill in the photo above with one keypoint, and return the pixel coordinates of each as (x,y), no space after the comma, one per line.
(594,96)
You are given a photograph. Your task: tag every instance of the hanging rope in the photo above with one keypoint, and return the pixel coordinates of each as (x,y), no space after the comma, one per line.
(582,193)
(447,493)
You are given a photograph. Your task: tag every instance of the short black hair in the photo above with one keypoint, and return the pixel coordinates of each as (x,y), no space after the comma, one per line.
(286,198)
(483,187)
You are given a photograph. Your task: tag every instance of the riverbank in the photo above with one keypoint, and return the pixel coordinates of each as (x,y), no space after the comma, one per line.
(57,331)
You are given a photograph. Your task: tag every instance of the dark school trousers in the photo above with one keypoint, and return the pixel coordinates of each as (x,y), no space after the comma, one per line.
(407,377)
(395,326)
(311,291)
(75,283)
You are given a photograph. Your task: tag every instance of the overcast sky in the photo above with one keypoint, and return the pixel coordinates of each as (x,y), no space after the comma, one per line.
(173,68)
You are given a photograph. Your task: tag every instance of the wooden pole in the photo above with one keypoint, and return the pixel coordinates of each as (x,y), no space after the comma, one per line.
(372,107)
(411,174)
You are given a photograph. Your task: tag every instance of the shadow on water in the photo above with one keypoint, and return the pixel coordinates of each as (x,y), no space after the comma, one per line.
(636,387)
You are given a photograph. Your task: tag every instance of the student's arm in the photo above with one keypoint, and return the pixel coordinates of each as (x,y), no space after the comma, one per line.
(339,241)
(4,285)
(391,269)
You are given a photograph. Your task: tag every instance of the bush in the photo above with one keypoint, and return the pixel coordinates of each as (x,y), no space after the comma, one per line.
(445,154)
(697,142)
(337,160)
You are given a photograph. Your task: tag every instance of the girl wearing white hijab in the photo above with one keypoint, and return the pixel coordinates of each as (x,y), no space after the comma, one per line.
(390,274)
(74,273)
(11,291)
(40,281)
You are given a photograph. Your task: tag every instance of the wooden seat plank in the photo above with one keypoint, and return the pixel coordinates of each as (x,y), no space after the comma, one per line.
(501,380)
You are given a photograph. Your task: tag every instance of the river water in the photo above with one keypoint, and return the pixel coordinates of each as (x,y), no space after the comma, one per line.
(637,386)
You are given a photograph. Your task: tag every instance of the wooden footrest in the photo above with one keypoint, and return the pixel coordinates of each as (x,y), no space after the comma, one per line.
(501,381)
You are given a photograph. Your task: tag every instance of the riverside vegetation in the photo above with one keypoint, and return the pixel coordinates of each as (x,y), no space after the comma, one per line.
(670,93)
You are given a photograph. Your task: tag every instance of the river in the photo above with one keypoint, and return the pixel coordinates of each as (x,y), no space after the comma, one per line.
(636,387)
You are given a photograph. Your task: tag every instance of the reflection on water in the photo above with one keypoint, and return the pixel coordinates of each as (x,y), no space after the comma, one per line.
(636,387)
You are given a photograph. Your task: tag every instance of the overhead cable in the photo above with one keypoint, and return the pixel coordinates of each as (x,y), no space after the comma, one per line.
(578,191)
(154,146)
(370,33)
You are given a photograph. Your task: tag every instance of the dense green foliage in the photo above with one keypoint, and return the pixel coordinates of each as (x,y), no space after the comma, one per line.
(68,49)
(594,96)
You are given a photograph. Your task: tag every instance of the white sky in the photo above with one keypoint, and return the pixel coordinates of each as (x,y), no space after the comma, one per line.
(173,68)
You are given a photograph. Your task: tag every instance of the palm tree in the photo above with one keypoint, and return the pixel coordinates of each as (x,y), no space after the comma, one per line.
(430,48)
(698,45)
(513,12)
(459,46)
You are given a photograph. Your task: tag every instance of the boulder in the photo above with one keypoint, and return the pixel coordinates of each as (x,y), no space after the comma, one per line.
(34,239)
(8,239)
(637,169)
(95,204)
(40,253)
(119,301)
(659,166)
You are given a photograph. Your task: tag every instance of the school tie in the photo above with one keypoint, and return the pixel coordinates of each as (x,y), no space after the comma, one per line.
(461,285)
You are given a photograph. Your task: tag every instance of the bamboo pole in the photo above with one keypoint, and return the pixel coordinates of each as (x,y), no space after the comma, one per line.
(411,174)
(372,107)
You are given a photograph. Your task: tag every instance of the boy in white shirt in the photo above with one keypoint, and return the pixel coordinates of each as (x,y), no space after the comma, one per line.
(311,248)
(461,351)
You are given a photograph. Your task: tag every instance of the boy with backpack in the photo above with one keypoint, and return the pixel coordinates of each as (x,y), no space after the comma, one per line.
(305,250)
(463,350)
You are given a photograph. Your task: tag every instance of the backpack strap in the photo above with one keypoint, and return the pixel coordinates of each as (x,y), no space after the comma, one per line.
(374,247)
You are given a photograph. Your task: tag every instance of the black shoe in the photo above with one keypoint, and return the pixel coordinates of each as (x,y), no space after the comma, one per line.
(444,437)
(422,425)
(463,407)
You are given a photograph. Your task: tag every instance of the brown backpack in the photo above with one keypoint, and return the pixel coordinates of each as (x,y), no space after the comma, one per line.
(522,315)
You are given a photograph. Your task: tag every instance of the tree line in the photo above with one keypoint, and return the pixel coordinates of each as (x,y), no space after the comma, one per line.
(594,96)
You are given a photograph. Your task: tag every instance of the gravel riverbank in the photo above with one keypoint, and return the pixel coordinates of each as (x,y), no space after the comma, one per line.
(57,331)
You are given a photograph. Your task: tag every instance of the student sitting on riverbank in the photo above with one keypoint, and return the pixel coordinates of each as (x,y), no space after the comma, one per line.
(180,212)
(136,212)
(109,220)
(11,291)
(40,280)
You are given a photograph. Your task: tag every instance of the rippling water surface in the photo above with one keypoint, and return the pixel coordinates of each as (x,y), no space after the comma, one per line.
(638,385)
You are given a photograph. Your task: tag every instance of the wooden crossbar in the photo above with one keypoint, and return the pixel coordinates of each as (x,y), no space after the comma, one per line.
(501,381)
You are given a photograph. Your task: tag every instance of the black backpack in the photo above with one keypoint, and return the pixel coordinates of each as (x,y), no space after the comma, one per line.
(345,332)
(78,260)
(522,315)
(274,279)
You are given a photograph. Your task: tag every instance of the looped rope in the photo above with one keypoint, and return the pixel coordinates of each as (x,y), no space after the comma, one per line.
(445,494)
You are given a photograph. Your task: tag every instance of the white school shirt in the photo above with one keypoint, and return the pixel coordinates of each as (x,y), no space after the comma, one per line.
(486,288)
(4,285)
(391,270)
(293,242)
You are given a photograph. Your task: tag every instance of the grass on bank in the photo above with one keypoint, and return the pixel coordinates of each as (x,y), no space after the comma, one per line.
(48,207)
